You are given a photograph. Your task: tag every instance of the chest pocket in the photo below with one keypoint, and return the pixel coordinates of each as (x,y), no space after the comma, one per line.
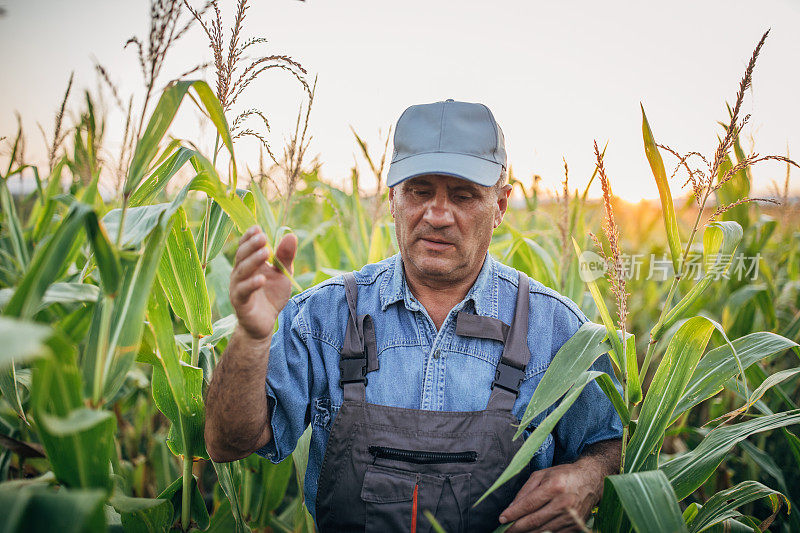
(396,500)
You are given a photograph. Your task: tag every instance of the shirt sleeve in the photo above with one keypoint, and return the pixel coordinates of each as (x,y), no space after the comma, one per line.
(592,418)
(288,385)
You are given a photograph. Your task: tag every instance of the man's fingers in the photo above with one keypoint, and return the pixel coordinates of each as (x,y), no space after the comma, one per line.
(526,500)
(245,268)
(244,289)
(249,243)
(534,521)
(285,252)
(557,524)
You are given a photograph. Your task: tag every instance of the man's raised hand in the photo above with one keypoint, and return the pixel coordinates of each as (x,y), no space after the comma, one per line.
(259,290)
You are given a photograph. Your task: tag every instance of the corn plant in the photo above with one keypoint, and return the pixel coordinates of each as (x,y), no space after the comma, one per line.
(645,495)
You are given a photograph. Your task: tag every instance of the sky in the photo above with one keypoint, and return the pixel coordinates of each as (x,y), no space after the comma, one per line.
(556,75)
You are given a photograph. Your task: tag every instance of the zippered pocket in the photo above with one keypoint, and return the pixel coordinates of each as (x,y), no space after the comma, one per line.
(422,457)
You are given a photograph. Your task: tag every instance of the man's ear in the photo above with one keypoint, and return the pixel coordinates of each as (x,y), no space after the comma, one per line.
(391,201)
(502,203)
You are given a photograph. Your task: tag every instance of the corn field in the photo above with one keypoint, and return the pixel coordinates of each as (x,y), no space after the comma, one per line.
(115,312)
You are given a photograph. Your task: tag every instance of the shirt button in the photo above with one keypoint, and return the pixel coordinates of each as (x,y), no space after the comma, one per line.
(436,353)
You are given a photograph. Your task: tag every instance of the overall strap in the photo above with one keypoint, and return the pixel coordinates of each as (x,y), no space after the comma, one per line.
(359,353)
(511,368)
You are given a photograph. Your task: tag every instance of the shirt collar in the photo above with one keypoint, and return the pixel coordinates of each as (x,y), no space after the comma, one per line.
(483,292)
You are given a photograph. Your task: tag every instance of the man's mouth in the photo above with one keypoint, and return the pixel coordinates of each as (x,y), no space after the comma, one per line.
(436,243)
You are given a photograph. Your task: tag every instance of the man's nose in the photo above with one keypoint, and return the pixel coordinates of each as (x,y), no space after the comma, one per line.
(439,211)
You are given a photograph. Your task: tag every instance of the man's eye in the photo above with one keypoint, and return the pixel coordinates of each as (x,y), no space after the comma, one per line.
(463,197)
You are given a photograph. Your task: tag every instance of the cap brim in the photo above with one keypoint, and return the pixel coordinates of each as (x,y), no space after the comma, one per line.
(474,169)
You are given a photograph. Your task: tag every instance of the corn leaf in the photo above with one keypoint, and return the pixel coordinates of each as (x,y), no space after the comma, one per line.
(149,515)
(193,422)
(228,480)
(690,470)
(721,506)
(647,500)
(673,374)
(719,365)
(605,316)
(181,276)
(39,509)
(12,222)
(568,365)
(167,355)
(159,178)
(198,512)
(127,319)
(522,458)
(667,207)
(720,240)
(164,113)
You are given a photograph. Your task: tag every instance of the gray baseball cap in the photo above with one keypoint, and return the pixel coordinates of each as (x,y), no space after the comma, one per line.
(460,139)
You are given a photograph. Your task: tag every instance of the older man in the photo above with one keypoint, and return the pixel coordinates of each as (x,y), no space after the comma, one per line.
(413,370)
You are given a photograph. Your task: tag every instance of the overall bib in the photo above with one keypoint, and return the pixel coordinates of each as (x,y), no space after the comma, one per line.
(383,465)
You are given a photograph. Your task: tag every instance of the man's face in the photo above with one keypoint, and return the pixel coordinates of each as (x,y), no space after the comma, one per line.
(444,225)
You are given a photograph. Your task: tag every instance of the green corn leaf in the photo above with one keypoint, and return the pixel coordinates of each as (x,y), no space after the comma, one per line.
(193,422)
(181,276)
(46,263)
(219,227)
(719,365)
(647,500)
(607,386)
(522,458)
(771,381)
(142,515)
(167,355)
(275,481)
(198,511)
(42,509)
(12,222)
(22,341)
(673,374)
(127,319)
(634,385)
(721,506)
(537,261)
(690,470)
(667,207)
(575,356)
(164,113)
(105,254)
(228,481)
(59,292)
(611,330)
(79,446)
(159,178)
(720,240)
(42,218)
(208,182)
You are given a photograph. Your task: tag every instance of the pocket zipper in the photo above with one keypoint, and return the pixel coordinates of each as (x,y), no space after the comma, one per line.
(422,457)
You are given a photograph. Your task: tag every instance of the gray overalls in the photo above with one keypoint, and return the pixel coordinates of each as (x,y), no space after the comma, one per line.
(383,465)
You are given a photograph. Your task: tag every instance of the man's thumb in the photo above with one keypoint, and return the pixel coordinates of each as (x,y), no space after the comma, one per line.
(286,250)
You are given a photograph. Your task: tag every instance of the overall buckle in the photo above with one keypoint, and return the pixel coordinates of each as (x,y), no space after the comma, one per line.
(353,370)
(508,376)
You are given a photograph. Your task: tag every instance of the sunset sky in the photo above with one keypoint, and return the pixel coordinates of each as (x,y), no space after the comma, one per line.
(556,75)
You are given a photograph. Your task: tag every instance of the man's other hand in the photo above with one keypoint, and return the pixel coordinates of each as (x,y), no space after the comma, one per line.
(545,500)
(561,497)
(259,290)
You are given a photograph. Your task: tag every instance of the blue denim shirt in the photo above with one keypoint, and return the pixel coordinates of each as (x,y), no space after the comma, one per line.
(420,367)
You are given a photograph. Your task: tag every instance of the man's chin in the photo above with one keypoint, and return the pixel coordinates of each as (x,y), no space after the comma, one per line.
(435,267)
